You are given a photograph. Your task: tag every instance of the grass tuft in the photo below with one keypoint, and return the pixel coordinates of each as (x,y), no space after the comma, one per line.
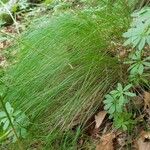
(64,68)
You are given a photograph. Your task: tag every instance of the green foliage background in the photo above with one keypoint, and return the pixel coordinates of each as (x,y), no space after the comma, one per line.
(64,67)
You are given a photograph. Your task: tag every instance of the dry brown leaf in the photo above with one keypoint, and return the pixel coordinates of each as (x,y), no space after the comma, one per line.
(143,143)
(106,142)
(99,118)
(1,45)
(146,99)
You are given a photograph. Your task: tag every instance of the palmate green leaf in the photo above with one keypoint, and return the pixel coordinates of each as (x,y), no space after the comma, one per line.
(134,69)
(130,94)
(124,127)
(22,120)
(137,55)
(16,113)
(136,42)
(119,108)
(108,96)
(127,42)
(141,28)
(141,69)
(2,121)
(127,87)
(131,32)
(2,114)
(129,62)
(107,106)
(121,100)
(123,121)
(6,125)
(130,40)
(139,33)
(23,133)
(9,108)
(127,34)
(126,100)
(107,101)
(114,92)
(18,119)
(116,107)
(116,100)
(139,13)
(117,125)
(142,43)
(112,109)
(119,87)
(137,67)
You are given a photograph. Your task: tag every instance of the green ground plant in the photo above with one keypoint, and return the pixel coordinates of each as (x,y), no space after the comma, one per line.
(115,105)
(116,101)
(16,118)
(139,33)
(137,64)
(64,68)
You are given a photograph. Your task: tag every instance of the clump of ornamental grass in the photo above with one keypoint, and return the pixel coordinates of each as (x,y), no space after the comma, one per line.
(63,69)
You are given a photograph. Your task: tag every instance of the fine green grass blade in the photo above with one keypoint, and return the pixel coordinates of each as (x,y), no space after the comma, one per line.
(64,68)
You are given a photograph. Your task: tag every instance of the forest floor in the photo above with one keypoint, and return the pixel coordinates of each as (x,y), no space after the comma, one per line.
(99,128)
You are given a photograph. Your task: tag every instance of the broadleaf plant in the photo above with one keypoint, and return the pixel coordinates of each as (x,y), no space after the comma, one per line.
(124,121)
(138,64)
(19,120)
(115,101)
(137,36)
(139,33)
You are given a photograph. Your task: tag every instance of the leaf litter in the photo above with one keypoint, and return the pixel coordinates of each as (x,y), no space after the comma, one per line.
(99,118)
(106,142)
(143,143)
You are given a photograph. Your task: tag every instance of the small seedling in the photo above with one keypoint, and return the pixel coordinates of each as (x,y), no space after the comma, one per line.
(116,100)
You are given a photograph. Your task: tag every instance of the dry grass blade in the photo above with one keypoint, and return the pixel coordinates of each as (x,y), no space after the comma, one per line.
(146,100)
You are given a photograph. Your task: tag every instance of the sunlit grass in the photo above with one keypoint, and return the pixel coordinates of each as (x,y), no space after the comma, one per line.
(64,68)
